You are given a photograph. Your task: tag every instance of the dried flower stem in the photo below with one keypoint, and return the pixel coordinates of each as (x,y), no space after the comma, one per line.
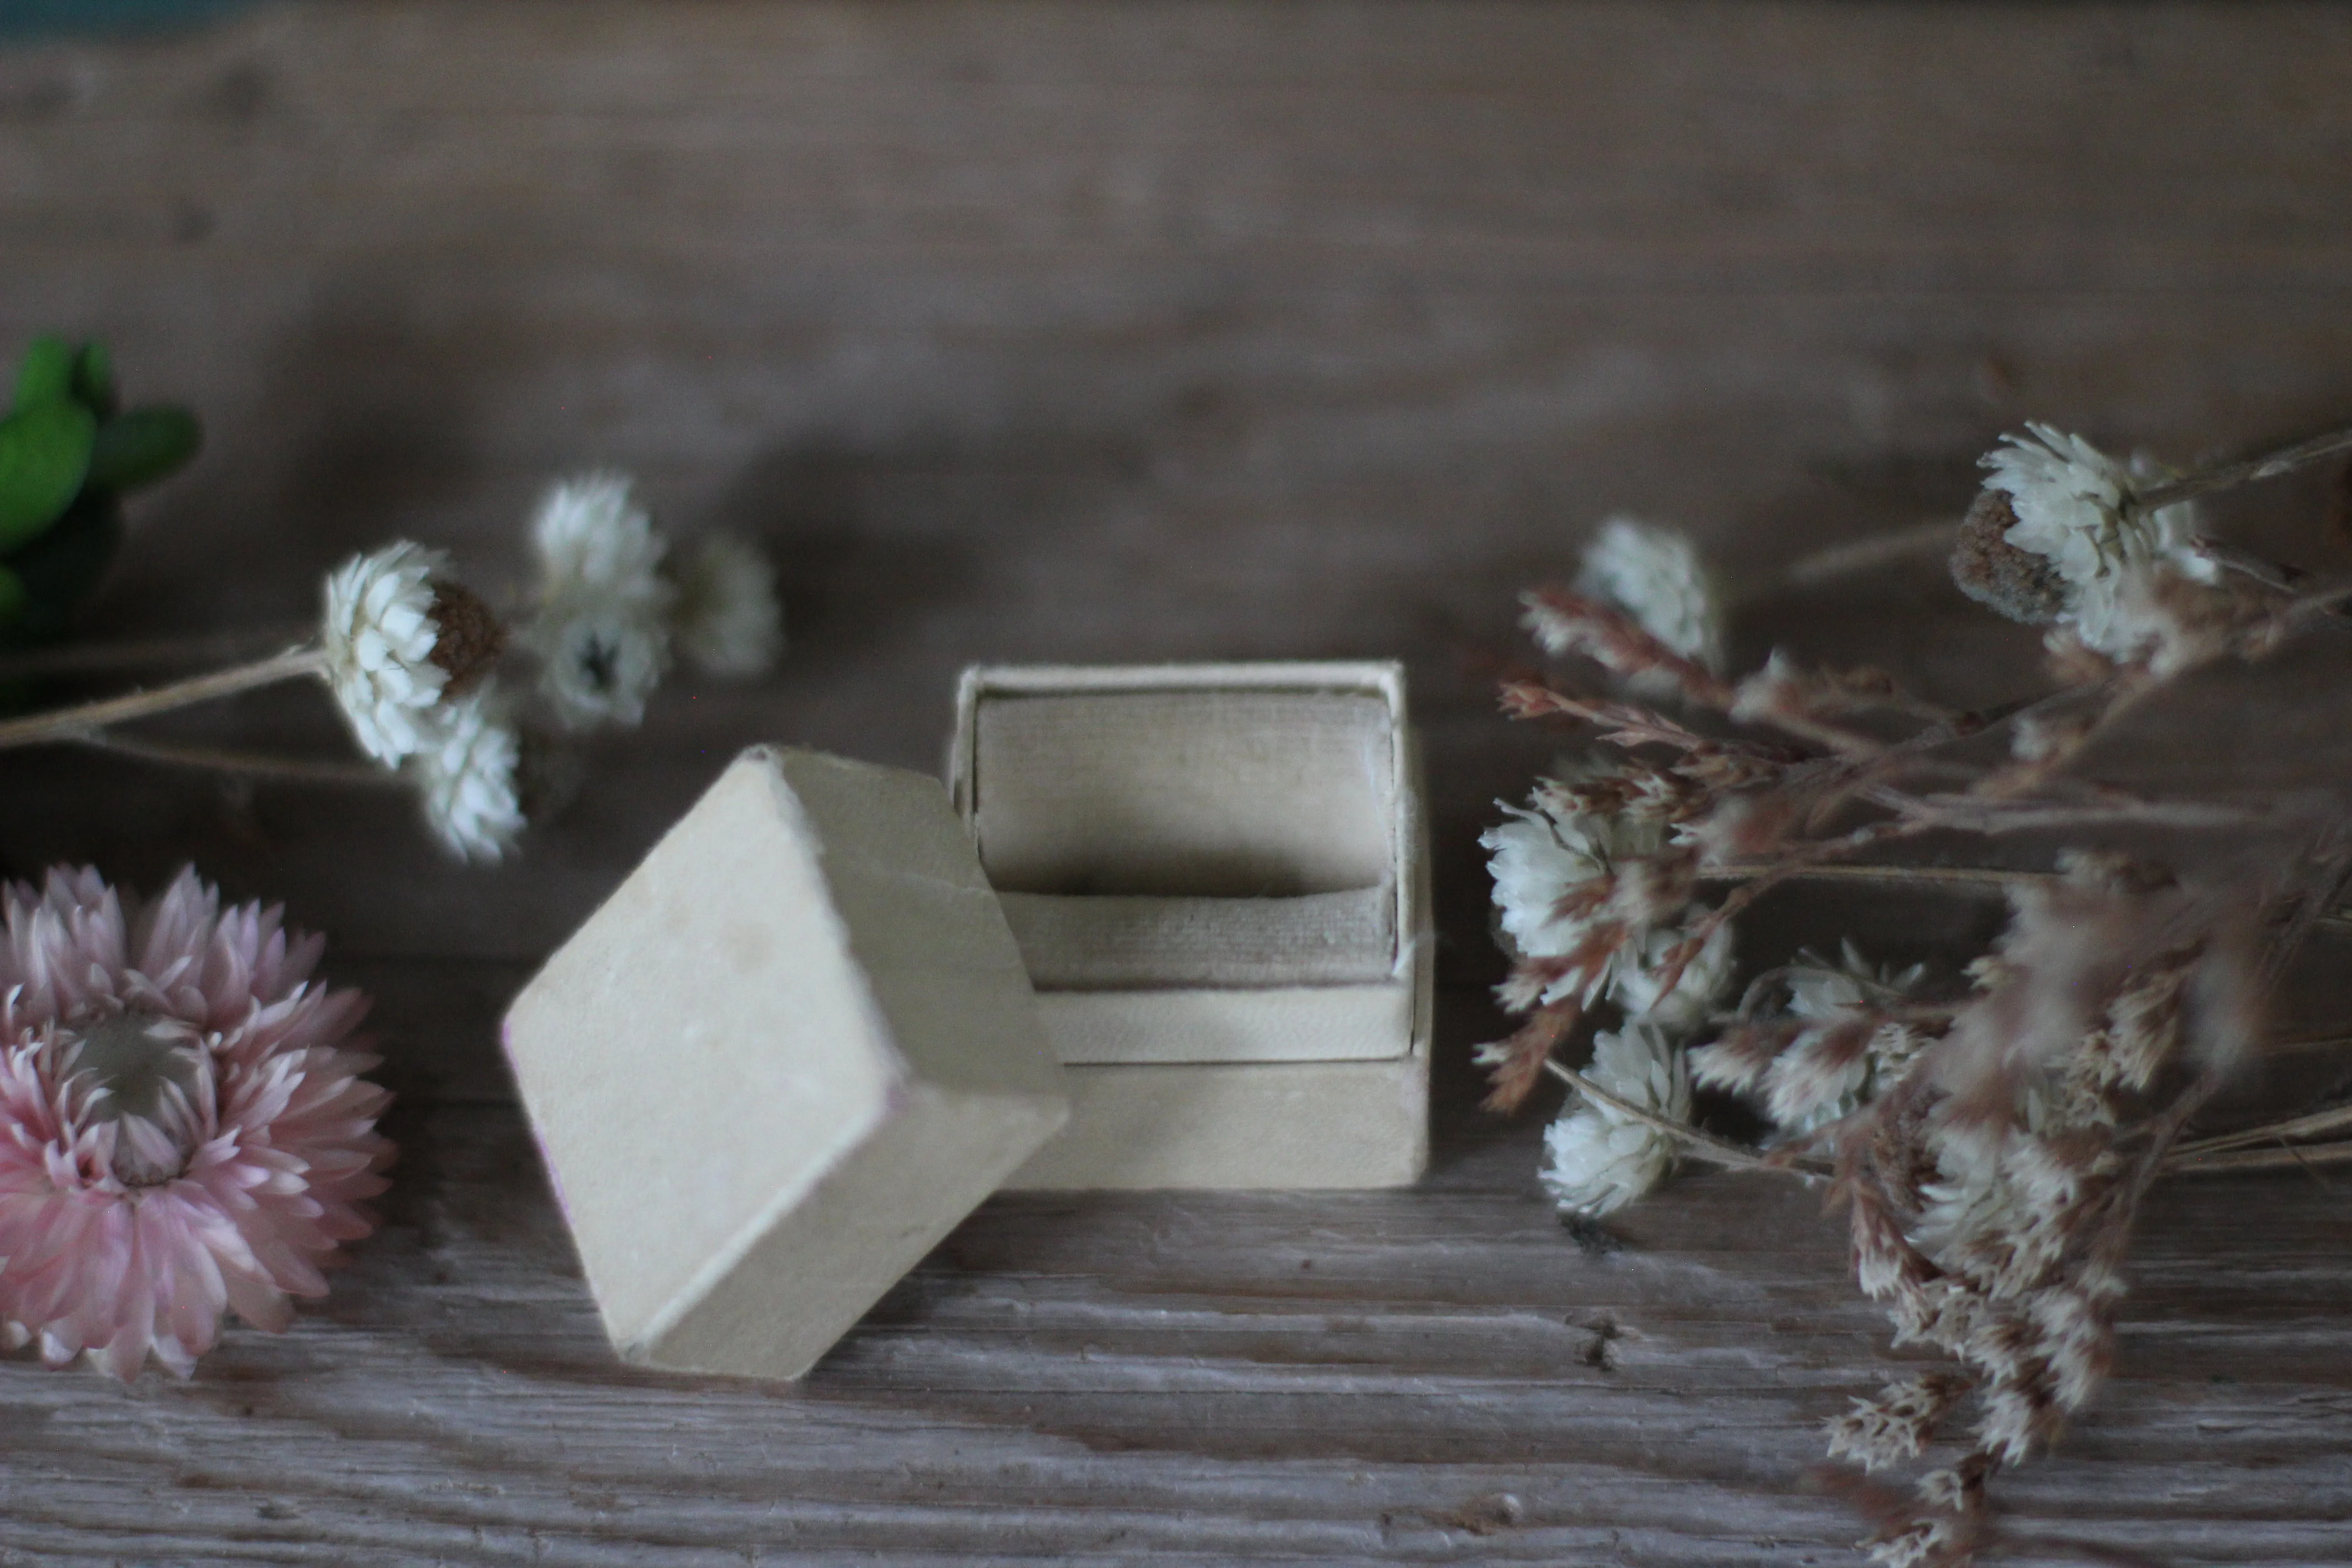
(2313,1041)
(73,722)
(1868,554)
(97,659)
(2285,1157)
(250,764)
(1990,879)
(1699,1146)
(2269,464)
(1972,814)
(2308,1125)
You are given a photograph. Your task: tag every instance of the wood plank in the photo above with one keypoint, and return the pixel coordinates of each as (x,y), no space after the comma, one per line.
(1350,1377)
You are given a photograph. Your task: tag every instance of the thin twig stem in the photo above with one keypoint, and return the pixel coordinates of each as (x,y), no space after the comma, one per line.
(1979,815)
(70,724)
(1862,555)
(1700,1146)
(2309,1125)
(2312,1042)
(251,765)
(2269,464)
(99,658)
(1990,878)
(2286,1156)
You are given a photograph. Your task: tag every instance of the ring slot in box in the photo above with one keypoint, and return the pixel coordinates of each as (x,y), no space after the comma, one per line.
(1216,877)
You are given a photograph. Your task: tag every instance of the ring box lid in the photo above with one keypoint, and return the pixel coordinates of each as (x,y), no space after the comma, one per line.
(784,1059)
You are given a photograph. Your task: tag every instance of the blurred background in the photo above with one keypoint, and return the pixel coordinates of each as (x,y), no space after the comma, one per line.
(1169,329)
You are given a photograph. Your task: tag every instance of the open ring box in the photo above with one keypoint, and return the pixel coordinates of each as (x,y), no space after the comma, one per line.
(801,1041)
(1217,878)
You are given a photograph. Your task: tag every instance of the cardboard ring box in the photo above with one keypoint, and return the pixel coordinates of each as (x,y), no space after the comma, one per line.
(801,1042)
(1218,875)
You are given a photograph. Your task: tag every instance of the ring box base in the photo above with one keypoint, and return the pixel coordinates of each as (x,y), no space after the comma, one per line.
(1218,875)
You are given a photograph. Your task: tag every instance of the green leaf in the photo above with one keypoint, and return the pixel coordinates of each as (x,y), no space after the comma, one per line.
(93,380)
(62,568)
(142,445)
(44,453)
(46,373)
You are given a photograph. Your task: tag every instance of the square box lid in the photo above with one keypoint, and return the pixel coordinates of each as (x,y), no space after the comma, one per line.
(783,1060)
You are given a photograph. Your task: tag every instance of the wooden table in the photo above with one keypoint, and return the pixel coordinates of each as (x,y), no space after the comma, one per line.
(1089,331)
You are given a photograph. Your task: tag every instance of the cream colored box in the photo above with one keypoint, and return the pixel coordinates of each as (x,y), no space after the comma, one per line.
(783,1060)
(1218,880)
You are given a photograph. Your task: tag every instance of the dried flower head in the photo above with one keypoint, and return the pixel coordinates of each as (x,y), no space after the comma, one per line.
(2069,502)
(1637,984)
(1581,894)
(727,619)
(1596,1157)
(467,774)
(1898,1423)
(2171,621)
(1832,1048)
(1656,576)
(183,1130)
(601,626)
(397,638)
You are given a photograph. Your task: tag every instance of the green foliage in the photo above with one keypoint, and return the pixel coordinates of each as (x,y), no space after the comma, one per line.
(93,380)
(46,373)
(59,570)
(44,455)
(136,448)
(68,452)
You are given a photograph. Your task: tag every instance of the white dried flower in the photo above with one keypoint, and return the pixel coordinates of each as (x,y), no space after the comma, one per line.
(1992,1217)
(466,774)
(378,635)
(1654,574)
(602,627)
(726,619)
(1804,1088)
(1922,1544)
(1596,1157)
(2068,498)
(1896,1424)
(1842,1055)
(1550,864)
(1634,981)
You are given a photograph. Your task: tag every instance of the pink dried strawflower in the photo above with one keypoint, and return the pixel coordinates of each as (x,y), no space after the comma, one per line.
(182,1128)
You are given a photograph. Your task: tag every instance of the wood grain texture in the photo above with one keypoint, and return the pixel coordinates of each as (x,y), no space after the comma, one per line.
(1086,331)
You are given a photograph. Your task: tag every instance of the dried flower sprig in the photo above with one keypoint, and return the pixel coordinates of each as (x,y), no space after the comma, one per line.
(1993,1142)
(411,657)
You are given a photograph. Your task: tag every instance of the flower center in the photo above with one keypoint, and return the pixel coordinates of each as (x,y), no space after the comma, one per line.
(141,1074)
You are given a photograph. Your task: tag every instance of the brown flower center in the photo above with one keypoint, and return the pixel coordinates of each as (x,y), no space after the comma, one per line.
(470,636)
(1993,572)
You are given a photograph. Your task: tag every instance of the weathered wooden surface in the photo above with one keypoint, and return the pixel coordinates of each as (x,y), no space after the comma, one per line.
(1082,330)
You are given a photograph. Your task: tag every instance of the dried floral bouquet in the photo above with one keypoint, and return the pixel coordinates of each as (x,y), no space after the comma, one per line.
(1992,1139)
(408,652)
(184,1128)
